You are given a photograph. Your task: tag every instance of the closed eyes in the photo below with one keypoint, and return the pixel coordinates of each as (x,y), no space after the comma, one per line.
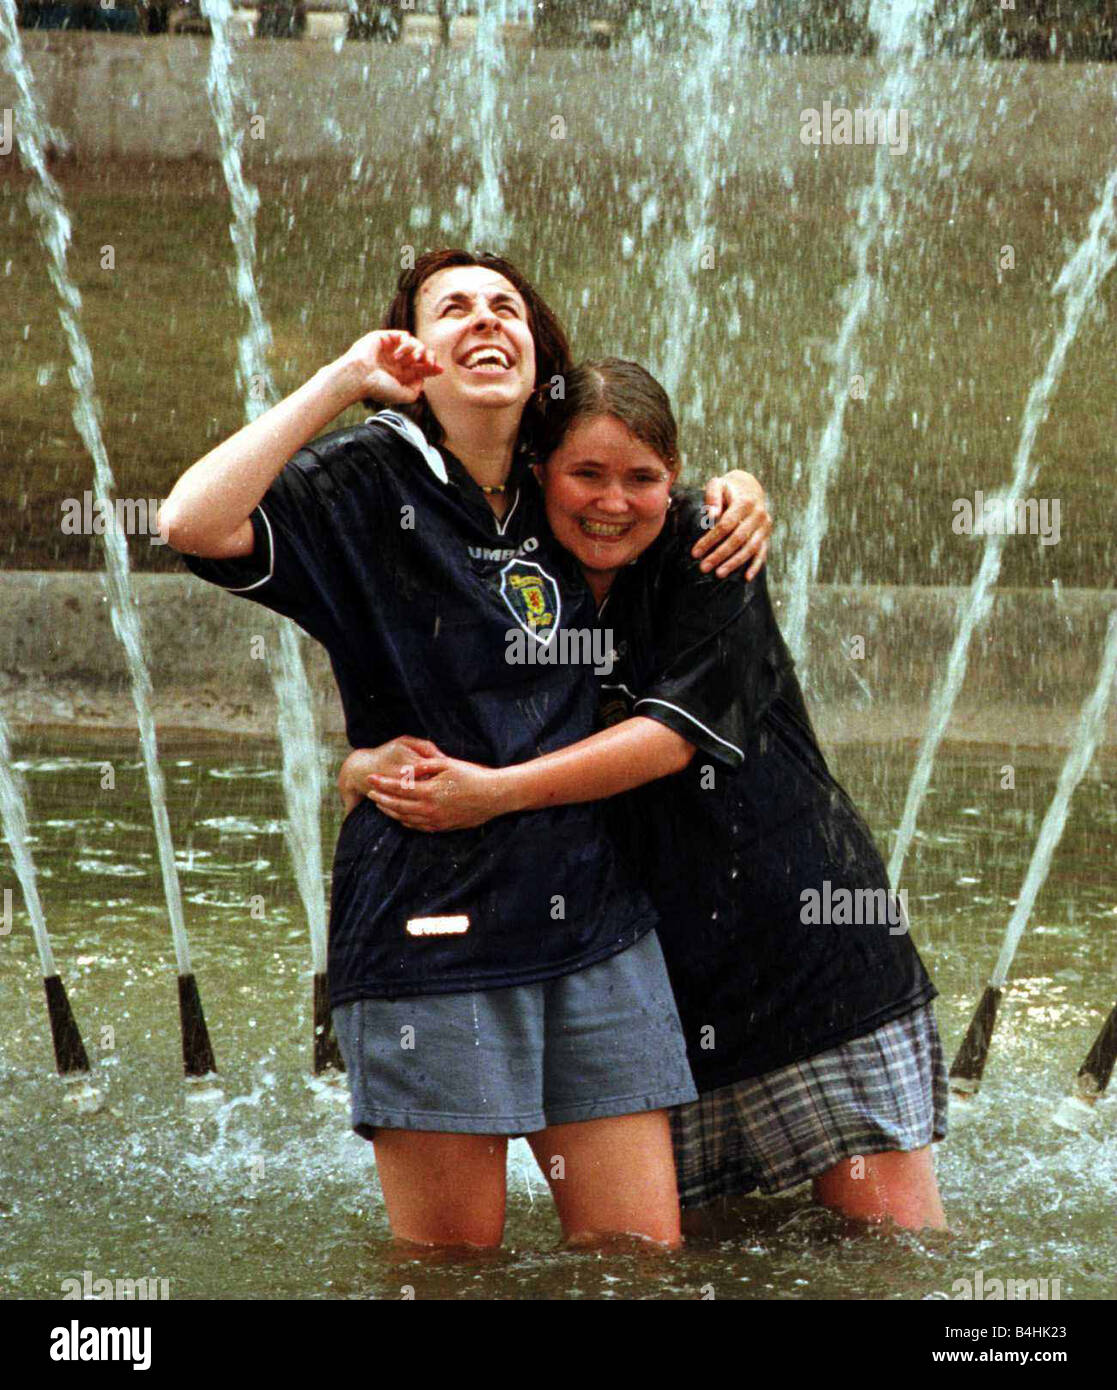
(506,307)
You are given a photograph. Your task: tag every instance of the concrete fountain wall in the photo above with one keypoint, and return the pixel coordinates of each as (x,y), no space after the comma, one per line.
(1030,670)
(146,97)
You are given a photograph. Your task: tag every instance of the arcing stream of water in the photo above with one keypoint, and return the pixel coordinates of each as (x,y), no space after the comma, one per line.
(69,1050)
(298,740)
(898,27)
(969,1063)
(1090,726)
(48,208)
(1079,282)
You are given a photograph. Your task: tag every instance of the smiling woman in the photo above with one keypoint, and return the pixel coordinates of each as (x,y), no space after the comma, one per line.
(487,328)
(810,1034)
(610,475)
(509,982)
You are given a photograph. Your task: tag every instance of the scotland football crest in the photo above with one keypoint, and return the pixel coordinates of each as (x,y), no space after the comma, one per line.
(533,596)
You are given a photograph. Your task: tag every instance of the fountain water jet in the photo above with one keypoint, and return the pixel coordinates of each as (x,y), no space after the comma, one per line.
(897,26)
(302,787)
(684,304)
(1080,279)
(490,227)
(969,1064)
(302,782)
(48,209)
(69,1050)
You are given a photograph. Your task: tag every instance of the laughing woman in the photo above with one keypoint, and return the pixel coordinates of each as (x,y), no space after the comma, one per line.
(503,980)
(810,1034)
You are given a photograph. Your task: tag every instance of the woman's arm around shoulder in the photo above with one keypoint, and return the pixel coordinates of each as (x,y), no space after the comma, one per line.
(736,525)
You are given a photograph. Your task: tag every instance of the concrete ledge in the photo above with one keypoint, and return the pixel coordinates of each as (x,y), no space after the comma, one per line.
(1029,670)
(118,96)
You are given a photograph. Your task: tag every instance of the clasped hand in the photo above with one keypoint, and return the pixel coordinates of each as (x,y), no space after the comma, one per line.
(414,782)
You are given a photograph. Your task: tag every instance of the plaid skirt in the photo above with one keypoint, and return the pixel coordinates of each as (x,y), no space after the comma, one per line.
(882,1092)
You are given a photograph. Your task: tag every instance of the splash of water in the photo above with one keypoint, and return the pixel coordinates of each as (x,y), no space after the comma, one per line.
(217,1156)
(1090,725)
(1079,281)
(302,780)
(44,198)
(897,25)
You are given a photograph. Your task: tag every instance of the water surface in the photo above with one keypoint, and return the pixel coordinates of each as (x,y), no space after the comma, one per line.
(272,1196)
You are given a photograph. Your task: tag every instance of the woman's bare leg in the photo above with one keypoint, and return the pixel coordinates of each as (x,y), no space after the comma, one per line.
(888,1186)
(443,1189)
(612,1177)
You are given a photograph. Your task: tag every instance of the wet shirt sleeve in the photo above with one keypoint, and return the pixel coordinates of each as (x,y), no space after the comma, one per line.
(302,529)
(717,659)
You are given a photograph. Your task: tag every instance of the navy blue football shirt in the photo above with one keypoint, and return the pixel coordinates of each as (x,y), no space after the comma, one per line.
(734,849)
(386,551)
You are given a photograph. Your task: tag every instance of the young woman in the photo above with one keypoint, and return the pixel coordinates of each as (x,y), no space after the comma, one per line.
(503,980)
(805,1006)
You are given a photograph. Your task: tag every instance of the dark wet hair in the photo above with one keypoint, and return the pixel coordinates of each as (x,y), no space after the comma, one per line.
(552,351)
(624,390)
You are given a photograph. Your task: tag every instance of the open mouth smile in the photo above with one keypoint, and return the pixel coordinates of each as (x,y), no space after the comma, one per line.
(605,530)
(488,359)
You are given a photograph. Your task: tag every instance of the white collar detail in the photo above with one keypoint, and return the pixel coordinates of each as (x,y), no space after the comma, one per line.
(414,435)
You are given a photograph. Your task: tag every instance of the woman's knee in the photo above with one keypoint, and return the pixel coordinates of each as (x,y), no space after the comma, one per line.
(895,1185)
(443,1189)
(614,1176)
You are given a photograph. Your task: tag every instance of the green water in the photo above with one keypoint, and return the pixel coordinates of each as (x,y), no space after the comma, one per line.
(274,1197)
